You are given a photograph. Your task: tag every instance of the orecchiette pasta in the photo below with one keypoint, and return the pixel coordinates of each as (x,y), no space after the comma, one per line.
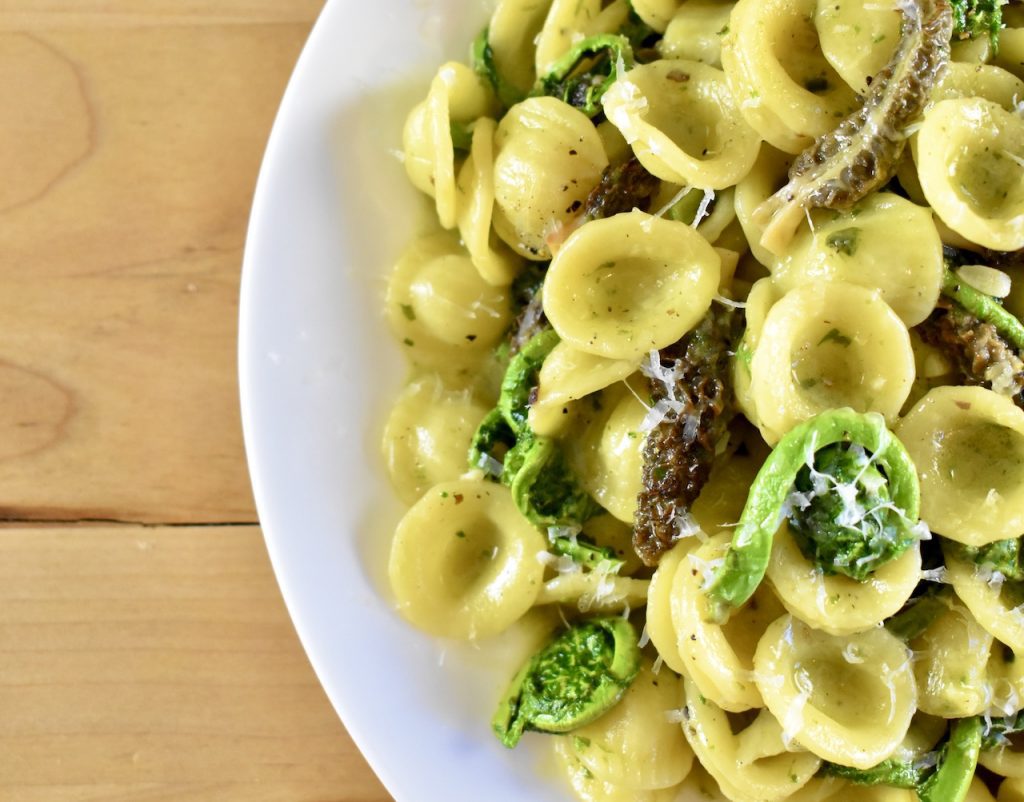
(765,503)
(970,157)
(628,284)
(848,699)
(828,344)
(682,123)
(886,243)
(464,563)
(968,445)
(785,87)
(547,158)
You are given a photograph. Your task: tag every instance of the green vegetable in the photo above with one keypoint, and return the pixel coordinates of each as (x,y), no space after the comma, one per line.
(1002,556)
(581,549)
(897,773)
(844,241)
(948,780)
(521,378)
(504,446)
(916,617)
(984,307)
(973,18)
(462,136)
(482,58)
(844,518)
(957,761)
(747,558)
(543,486)
(491,442)
(572,681)
(582,76)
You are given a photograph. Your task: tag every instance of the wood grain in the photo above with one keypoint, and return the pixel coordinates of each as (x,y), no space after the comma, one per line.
(141,662)
(158,663)
(120,246)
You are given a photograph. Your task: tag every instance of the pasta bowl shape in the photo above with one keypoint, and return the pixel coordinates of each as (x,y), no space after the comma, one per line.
(331,213)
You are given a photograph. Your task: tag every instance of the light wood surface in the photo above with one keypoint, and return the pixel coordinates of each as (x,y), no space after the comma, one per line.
(145,652)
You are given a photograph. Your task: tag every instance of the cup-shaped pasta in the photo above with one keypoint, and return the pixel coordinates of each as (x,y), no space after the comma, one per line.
(827,345)
(858,38)
(569,21)
(447,317)
(656,13)
(993,601)
(752,764)
(637,745)
(427,436)
(968,446)
(512,34)
(888,243)
(970,159)
(566,375)
(979,80)
(696,31)
(719,658)
(835,603)
(787,90)
(548,157)
(608,454)
(847,699)
(722,499)
(590,788)
(1011,51)
(457,95)
(683,123)
(491,257)
(464,562)
(628,284)
(951,665)
(594,591)
(1007,760)
(768,175)
(1011,790)
(660,628)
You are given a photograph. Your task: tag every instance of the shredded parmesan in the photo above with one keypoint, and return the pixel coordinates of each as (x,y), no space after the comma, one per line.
(702,210)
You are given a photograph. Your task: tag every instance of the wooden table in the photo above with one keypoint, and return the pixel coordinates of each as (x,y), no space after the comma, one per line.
(145,653)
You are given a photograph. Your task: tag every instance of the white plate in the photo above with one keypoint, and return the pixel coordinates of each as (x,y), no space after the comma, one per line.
(318,373)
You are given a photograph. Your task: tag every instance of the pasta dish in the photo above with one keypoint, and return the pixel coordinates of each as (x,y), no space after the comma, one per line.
(717,392)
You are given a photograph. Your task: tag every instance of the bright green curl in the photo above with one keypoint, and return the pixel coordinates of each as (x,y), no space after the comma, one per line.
(573,680)
(876,525)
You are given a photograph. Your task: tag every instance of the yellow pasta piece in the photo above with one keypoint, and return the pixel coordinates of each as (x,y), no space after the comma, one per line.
(719,658)
(446,316)
(838,604)
(427,436)
(994,606)
(786,88)
(625,285)
(464,562)
(608,454)
(968,446)
(886,242)
(566,375)
(751,763)
(827,345)
(491,257)
(456,94)
(696,31)
(512,33)
(846,699)
(970,159)
(548,157)
(682,122)
(858,38)
(638,744)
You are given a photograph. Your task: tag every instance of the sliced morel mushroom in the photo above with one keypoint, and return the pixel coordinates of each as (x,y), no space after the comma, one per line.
(693,397)
(977,348)
(861,154)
